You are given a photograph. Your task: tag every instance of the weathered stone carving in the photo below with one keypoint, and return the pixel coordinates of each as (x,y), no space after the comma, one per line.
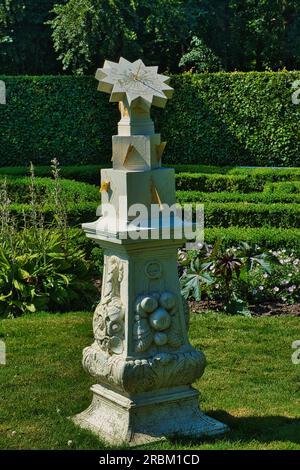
(142,375)
(109,315)
(157,322)
(153,269)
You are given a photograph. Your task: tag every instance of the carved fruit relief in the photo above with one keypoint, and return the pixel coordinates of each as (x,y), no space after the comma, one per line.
(156,322)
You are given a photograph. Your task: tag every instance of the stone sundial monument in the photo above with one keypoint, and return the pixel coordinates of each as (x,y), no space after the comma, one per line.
(141,357)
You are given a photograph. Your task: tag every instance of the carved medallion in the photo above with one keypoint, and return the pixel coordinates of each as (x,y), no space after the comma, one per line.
(153,270)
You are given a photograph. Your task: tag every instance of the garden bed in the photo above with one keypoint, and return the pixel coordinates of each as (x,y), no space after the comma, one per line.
(264,309)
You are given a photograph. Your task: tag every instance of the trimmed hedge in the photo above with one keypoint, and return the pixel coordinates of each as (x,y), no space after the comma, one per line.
(263,197)
(215,214)
(292,188)
(230,183)
(251,215)
(232,118)
(63,117)
(269,237)
(86,173)
(77,213)
(19,190)
(90,173)
(208,179)
(222,118)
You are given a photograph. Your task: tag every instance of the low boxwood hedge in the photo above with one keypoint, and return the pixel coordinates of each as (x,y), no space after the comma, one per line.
(19,189)
(224,196)
(242,183)
(86,174)
(251,215)
(77,213)
(216,214)
(272,238)
(286,187)
(189,177)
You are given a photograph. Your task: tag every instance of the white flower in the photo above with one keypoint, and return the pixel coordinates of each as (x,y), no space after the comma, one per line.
(265,275)
(217,286)
(292,288)
(13,433)
(276,289)
(70,443)
(261,287)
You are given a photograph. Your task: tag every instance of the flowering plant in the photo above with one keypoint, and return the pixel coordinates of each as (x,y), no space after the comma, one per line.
(239,276)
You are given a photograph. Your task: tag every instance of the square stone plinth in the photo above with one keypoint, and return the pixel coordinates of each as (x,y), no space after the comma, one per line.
(149,417)
(129,188)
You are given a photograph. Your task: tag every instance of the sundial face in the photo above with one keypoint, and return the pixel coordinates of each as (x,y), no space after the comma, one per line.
(135,82)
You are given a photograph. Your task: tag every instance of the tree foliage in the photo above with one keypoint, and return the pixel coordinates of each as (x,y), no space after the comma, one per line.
(244,35)
(26,45)
(85,32)
(200,58)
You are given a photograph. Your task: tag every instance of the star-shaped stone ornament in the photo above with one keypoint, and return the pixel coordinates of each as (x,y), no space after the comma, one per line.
(135,83)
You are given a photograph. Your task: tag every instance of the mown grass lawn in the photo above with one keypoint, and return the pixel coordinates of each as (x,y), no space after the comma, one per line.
(250,382)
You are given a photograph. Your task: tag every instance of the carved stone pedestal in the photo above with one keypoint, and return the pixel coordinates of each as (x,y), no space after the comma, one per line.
(141,355)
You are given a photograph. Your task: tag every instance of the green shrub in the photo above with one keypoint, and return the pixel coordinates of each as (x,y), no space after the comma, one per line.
(219,119)
(212,183)
(19,190)
(269,174)
(55,117)
(42,263)
(76,213)
(232,118)
(263,197)
(243,183)
(251,215)
(217,214)
(292,188)
(250,179)
(40,270)
(270,237)
(240,275)
(87,173)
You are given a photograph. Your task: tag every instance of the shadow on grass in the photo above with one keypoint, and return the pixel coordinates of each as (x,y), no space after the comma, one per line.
(264,429)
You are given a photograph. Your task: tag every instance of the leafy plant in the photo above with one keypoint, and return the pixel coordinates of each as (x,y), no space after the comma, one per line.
(43,273)
(42,267)
(225,274)
(200,58)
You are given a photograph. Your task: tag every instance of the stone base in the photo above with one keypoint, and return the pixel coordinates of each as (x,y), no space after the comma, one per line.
(147,417)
